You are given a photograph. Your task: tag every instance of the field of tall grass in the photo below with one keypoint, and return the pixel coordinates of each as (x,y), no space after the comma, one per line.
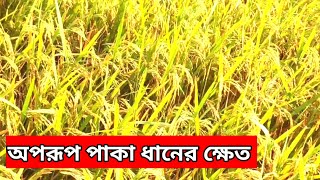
(161,67)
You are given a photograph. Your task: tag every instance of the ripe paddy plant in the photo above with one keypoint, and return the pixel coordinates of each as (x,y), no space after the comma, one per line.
(180,67)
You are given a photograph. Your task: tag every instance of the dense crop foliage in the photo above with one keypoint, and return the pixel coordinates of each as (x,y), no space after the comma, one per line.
(160,67)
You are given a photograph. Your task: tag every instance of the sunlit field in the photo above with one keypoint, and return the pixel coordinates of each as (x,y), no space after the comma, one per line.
(161,67)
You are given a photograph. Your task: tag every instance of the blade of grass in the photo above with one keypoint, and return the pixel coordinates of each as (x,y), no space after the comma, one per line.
(165,100)
(27,101)
(287,133)
(116,117)
(10,104)
(61,30)
(91,43)
(294,143)
(133,110)
(196,109)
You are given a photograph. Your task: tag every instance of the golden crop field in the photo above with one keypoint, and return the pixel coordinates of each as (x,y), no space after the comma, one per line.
(164,67)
